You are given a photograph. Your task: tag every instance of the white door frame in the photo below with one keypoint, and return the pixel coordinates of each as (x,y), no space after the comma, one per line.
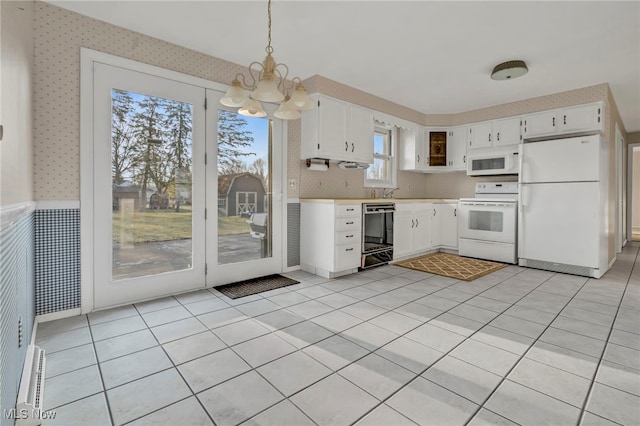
(620,239)
(87,59)
(630,186)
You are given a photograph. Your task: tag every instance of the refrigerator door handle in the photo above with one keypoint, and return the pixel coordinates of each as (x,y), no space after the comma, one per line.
(523,197)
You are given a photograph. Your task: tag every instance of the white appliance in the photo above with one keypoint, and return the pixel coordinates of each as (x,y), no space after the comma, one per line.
(487,224)
(563,215)
(493,161)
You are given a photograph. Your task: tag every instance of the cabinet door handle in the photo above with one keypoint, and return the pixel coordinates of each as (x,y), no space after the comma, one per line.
(349,236)
(455,212)
(412,223)
(418,157)
(498,136)
(489,137)
(350,210)
(417,222)
(464,159)
(565,120)
(353,147)
(346,146)
(434,212)
(349,223)
(553,122)
(349,249)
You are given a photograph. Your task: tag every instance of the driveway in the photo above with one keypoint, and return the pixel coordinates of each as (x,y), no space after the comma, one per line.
(167,256)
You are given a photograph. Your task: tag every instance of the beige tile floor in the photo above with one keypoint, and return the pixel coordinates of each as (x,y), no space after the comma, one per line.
(387,346)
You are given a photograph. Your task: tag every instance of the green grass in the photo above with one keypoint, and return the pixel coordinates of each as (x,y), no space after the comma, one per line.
(166,225)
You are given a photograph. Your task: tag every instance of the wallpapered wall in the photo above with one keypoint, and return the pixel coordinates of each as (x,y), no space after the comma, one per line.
(59,34)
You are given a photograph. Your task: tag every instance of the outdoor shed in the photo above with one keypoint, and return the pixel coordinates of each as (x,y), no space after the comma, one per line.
(240,194)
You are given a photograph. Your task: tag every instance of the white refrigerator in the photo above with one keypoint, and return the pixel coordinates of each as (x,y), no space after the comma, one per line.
(563,206)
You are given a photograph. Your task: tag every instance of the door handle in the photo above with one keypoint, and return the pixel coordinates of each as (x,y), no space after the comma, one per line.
(417,222)
(353,147)
(349,249)
(412,223)
(455,212)
(434,212)
(498,136)
(346,146)
(349,223)
(348,236)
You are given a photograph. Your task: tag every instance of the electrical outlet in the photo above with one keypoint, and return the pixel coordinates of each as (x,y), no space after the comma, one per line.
(292,183)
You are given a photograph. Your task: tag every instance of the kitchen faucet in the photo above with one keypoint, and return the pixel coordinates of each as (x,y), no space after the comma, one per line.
(388,194)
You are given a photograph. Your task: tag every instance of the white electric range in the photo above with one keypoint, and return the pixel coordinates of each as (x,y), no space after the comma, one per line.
(487,224)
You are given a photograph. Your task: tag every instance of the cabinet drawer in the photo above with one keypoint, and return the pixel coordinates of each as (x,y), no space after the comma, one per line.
(348,237)
(348,210)
(347,256)
(348,223)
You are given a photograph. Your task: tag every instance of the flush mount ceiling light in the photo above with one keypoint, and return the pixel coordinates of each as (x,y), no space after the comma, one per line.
(268,81)
(509,70)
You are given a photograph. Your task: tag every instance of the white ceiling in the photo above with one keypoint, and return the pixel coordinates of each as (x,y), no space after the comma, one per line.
(433,57)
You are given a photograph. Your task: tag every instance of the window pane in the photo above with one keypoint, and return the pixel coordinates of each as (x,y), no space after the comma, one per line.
(244,188)
(381,142)
(151,165)
(380,169)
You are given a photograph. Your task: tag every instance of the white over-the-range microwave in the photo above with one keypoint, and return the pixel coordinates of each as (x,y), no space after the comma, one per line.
(494,161)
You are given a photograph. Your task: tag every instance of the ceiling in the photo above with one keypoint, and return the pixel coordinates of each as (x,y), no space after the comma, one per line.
(433,57)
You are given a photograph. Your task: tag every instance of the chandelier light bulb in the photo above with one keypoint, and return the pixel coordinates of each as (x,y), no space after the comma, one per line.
(252,109)
(235,96)
(287,110)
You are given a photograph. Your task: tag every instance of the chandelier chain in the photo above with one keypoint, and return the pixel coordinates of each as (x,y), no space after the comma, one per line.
(269,49)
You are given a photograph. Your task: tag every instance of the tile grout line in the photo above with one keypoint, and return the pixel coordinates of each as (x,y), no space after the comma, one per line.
(446,353)
(604,349)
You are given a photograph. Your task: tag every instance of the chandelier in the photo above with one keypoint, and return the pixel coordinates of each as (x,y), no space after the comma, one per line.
(268,82)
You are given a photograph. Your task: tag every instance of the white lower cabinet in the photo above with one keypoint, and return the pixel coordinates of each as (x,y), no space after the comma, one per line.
(330,236)
(411,229)
(444,226)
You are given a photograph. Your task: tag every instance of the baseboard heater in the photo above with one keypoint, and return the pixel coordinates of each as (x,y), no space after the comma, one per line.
(29,403)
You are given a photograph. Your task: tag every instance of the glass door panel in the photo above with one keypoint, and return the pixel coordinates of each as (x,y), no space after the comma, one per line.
(151,163)
(244,188)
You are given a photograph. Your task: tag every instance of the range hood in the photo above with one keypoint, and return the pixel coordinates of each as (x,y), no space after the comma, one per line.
(351,165)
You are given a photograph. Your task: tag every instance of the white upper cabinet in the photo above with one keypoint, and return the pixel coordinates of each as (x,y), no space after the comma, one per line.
(457,148)
(507,131)
(337,130)
(412,149)
(480,135)
(570,120)
(502,132)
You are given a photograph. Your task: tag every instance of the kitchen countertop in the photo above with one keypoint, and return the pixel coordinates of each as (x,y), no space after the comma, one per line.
(377,200)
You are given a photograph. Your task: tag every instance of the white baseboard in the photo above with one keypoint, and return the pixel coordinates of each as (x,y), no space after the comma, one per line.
(58,315)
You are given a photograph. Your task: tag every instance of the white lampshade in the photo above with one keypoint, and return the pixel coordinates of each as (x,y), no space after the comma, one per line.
(267,90)
(252,109)
(287,110)
(301,99)
(235,96)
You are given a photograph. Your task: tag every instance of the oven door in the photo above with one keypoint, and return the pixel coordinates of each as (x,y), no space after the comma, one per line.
(487,221)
